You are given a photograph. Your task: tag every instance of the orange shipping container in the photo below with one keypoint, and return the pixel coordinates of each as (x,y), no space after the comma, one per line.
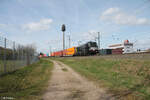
(70,51)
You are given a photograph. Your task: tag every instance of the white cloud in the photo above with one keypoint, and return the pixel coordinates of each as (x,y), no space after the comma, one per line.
(115,15)
(43,24)
(111,11)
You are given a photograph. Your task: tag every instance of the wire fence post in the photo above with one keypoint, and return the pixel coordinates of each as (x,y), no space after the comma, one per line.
(14,55)
(5,55)
(0,55)
(28,58)
(18,52)
(22,54)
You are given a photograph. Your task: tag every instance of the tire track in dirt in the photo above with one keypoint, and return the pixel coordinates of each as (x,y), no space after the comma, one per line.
(66,84)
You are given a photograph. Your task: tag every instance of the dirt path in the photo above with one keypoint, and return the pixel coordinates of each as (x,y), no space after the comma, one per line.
(66,84)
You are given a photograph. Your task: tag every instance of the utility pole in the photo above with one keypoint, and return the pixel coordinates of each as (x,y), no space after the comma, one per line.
(99,40)
(49,50)
(69,40)
(79,43)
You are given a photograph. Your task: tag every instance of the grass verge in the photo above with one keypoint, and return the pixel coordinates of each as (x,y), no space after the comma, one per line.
(26,83)
(127,79)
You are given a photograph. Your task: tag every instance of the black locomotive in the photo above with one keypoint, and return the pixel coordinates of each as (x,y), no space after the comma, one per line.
(89,48)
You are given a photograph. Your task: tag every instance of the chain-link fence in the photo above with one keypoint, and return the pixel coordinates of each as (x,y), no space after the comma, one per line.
(14,56)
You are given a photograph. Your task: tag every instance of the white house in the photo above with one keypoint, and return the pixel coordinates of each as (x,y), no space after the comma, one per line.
(126,47)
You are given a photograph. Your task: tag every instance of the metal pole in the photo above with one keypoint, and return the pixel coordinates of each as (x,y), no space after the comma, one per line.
(22,58)
(63,30)
(5,55)
(69,41)
(27,58)
(98,40)
(49,50)
(14,55)
(63,40)
(79,43)
(18,51)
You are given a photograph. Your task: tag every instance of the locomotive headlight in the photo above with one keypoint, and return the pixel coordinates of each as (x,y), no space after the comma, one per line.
(93,49)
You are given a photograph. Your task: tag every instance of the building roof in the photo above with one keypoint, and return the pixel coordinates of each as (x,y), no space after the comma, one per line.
(131,44)
(115,45)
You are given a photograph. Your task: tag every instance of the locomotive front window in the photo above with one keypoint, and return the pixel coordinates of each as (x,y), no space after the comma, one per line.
(89,45)
(93,45)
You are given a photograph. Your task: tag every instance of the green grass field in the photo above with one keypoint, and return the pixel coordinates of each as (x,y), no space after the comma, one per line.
(125,78)
(26,83)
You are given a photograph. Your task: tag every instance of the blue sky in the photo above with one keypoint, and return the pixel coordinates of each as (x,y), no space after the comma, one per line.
(39,22)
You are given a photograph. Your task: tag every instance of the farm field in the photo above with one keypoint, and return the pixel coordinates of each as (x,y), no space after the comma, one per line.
(26,83)
(127,77)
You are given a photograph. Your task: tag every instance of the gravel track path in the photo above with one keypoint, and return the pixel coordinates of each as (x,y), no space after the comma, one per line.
(66,84)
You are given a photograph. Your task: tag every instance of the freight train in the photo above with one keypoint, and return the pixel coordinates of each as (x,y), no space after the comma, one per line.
(89,48)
